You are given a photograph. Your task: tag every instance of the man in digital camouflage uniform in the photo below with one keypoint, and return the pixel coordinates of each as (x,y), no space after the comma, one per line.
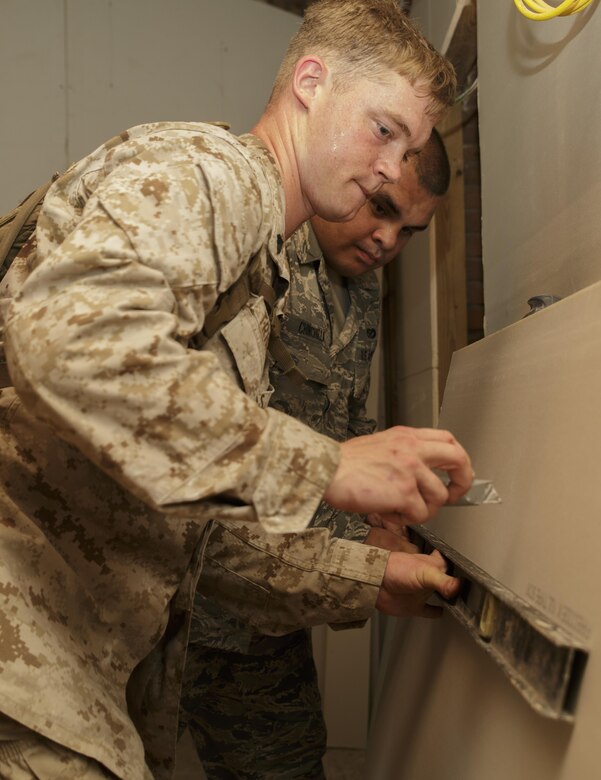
(251,701)
(131,429)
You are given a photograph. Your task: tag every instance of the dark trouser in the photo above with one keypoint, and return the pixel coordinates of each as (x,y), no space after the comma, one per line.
(255,717)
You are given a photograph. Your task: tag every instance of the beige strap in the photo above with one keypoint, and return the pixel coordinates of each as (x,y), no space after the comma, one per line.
(227,306)
(13,222)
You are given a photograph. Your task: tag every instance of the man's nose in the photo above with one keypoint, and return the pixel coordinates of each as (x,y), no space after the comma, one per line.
(386,236)
(389,166)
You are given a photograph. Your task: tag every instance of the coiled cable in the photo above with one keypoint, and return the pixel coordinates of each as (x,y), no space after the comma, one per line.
(540,11)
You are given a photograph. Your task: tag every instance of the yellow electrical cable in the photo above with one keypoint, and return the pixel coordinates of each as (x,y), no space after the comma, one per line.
(540,11)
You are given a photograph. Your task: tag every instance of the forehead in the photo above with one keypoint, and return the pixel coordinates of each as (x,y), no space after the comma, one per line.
(393,99)
(406,190)
(407,201)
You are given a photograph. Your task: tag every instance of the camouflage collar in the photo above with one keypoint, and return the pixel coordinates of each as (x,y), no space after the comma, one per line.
(313,250)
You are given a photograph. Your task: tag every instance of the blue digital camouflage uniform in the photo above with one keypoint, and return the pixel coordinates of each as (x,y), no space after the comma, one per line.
(251,701)
(128,435)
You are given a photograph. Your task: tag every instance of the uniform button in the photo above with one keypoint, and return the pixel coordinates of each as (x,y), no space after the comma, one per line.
(371,332)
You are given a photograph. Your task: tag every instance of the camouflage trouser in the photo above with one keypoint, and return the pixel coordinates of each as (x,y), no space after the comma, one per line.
(255,717)
(37,758)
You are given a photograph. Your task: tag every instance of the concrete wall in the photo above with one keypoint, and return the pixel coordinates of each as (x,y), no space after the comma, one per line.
(76,72)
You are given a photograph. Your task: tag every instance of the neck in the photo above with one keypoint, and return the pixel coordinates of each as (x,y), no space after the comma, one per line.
(274,129)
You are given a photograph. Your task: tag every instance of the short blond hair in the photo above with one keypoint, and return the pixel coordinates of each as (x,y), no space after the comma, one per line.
(366,38)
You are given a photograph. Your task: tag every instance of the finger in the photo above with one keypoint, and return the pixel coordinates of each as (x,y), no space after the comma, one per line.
(393,522)
(434,579)
(412,509)
(432,489)
(436,559)
(458,486)
(444,455)
(447,454)
(432,434)
(374,519)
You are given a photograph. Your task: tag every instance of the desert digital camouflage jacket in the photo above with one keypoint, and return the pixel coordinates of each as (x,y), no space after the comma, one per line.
(125,440)
(284,582)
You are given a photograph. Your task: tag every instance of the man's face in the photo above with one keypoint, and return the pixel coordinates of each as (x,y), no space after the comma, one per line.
(357,139)
(381,228)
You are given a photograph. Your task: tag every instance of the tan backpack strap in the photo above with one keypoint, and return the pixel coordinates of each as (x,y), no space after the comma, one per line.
(230,302)
(227,306)
(268,294)
(14,221)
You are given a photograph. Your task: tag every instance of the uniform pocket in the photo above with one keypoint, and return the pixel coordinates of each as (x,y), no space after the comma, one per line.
(247,336)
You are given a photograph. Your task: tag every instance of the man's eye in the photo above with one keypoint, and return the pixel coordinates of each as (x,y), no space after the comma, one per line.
(377,208)
(383,131)
(407,231)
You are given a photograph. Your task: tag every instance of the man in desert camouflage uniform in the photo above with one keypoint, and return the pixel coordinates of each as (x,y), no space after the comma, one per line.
(131,429)
(251,701)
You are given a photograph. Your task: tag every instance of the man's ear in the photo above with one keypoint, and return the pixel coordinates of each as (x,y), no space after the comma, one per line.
(310,73)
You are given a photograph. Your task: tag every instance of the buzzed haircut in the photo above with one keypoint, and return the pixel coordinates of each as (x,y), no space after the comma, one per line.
(432,166)
(368,39)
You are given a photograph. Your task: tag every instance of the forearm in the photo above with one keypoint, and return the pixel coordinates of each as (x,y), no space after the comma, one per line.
(280,583)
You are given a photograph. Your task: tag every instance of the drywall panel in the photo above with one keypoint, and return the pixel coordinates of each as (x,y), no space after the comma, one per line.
(540,118)
(136,61)
(346,687)
(446,711)
(525,402)
(32,85)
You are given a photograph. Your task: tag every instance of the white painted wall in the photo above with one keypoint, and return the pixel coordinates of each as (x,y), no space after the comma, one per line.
(76,72)
(433,18)
(540,119)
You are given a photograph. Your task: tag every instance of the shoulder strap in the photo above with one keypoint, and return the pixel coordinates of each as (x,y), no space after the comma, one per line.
(231,301)
(17,220)
(20,218)
(17,225)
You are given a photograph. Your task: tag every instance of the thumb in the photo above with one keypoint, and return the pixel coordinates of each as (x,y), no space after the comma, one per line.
(435,579)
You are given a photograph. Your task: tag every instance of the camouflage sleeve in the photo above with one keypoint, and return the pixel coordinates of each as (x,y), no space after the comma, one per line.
(359,423)
(280,583)
(96,345)
(342,525)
